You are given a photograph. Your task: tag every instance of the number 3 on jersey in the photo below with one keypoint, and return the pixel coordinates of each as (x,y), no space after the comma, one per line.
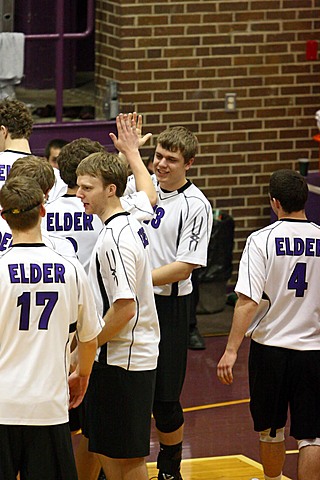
(297,281)
(155,222)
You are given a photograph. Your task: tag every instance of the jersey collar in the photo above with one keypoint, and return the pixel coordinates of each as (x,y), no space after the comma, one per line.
(180,190)
(18,151)
(116,215)
(28,244)
(285,219)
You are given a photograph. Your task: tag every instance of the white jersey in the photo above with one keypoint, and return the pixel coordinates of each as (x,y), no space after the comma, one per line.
(279,270)
(59,188)
(120,269)
(45,298)
(7,159)
(59,244)
(180,231)
(66,217)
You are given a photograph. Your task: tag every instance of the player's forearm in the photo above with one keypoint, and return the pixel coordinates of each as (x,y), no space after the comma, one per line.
(171,273)
(142,176)
(116,318)
(86,355)
(244,312)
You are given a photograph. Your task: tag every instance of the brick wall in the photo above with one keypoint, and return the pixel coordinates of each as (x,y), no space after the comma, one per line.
(174,61)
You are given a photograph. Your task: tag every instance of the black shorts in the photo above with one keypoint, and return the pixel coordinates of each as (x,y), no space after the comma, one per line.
(38,452)
(76,418)
(118,406)
(174,316)
(280,378)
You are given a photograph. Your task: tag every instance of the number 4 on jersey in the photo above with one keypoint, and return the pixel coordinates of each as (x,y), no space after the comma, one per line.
(297,281)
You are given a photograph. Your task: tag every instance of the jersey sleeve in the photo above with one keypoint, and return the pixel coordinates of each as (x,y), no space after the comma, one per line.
(195,235)
(251,277)
(118,264)
(138,204)
(89,323)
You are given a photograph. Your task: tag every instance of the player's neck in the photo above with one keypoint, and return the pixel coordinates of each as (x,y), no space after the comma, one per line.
(172,186)
(72,191)
(111,208)
(301,215)
(28,236)
(18,145)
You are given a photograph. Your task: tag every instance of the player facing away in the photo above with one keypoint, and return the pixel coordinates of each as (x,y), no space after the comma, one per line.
(15,129)
(119,399)
(39,169)
(46,300)
(179,236)
(278,308)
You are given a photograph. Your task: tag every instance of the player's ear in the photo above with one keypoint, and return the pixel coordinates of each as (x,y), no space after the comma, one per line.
(111,189)
(4,130)
(42,210)
(189,163)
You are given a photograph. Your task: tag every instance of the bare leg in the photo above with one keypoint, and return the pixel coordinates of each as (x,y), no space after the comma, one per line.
(309,463)
(272,456)
(87,463)
(124,468)
(171,438)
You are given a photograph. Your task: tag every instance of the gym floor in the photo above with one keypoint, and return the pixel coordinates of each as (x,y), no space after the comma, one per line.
(220,442)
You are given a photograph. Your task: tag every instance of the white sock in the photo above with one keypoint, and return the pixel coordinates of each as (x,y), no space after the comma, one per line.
(273,478)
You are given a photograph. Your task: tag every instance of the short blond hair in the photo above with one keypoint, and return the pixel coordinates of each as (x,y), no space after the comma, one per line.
(106,166)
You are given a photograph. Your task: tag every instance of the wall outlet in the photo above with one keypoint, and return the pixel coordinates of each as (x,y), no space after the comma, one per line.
(230,102)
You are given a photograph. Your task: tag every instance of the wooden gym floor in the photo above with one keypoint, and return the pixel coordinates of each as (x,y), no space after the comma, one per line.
(220,443)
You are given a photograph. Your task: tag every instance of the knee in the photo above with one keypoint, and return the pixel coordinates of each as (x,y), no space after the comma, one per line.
(168,416)
(266,437)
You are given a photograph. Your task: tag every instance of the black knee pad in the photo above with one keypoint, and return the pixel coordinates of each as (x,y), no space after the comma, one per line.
(168,416)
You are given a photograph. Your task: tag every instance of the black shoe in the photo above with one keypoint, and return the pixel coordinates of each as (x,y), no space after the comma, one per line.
(168,476)
(196,342)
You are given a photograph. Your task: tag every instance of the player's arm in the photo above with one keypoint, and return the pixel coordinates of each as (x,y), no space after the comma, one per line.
(116,318)
(244,312)
(79,379)
(128,143)
(172,272)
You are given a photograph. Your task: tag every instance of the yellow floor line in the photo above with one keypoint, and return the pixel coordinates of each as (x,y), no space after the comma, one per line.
(215,405)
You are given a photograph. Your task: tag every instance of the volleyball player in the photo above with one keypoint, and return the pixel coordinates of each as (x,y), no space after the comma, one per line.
(118,403)
(39,169)
(179,236)
(65,215)
(15,129)
(278,308)
(45,301)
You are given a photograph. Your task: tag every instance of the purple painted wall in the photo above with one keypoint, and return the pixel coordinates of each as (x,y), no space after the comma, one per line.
(39,17)
(96,130)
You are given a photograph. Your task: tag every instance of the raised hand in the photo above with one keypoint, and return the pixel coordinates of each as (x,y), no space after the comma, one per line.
(142,139)
(128,138)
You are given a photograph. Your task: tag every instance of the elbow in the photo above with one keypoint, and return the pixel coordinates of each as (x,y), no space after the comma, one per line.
(185,275)
(187,271)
